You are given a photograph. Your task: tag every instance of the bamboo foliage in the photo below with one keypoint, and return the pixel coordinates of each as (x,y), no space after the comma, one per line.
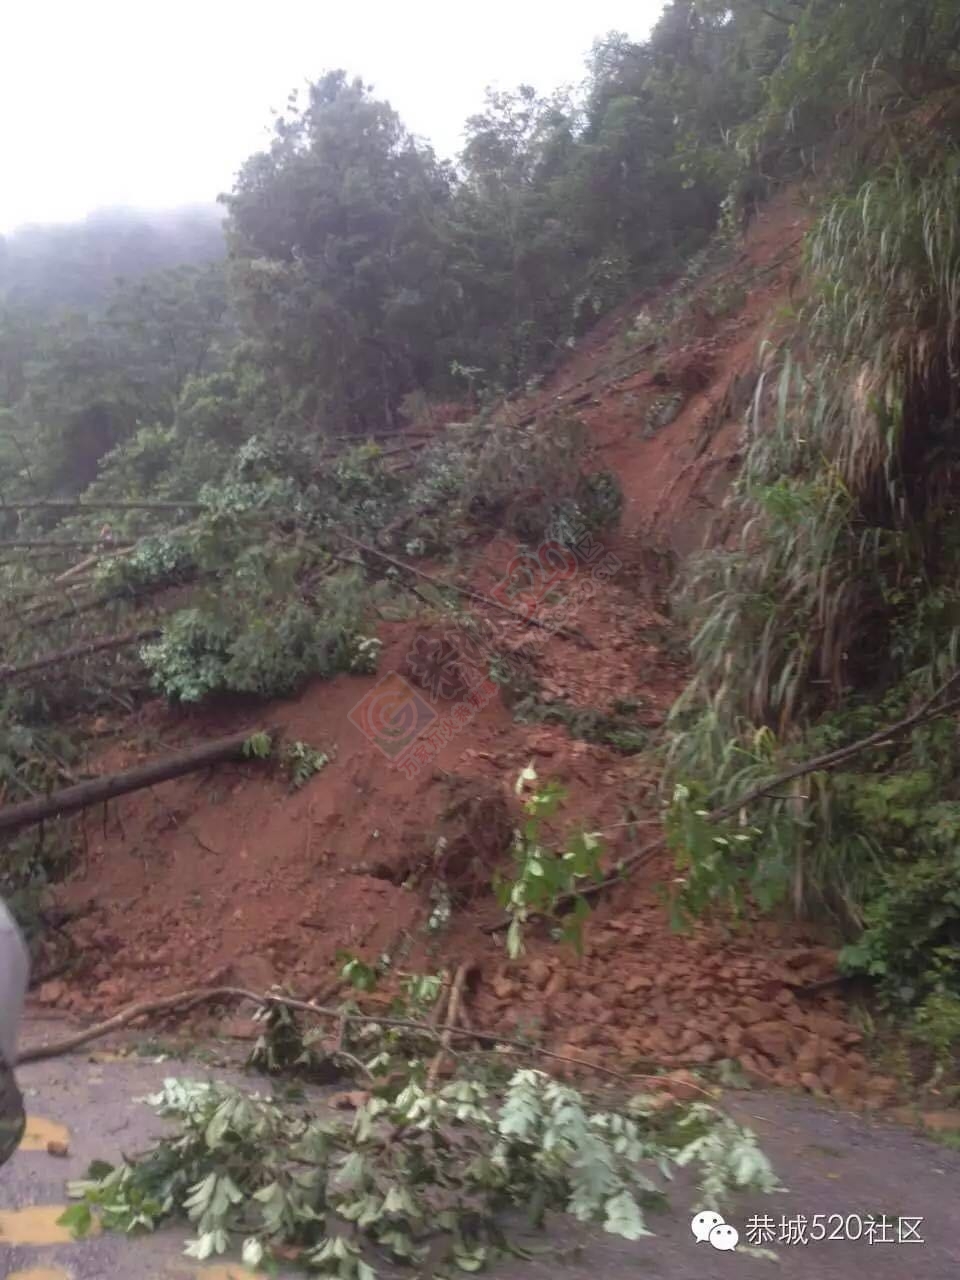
(828,518)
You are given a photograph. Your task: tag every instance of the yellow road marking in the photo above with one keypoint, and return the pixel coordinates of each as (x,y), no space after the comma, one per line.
(40,1131)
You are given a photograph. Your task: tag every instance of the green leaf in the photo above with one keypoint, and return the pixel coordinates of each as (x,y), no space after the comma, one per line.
(471,1262)
(78,1220)
(219,1124)
(258,746)
(623,1217)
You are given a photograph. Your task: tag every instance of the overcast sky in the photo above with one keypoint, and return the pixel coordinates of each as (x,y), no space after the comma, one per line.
(106,102)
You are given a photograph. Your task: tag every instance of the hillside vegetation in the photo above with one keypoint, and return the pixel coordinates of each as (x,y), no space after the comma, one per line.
(208,464)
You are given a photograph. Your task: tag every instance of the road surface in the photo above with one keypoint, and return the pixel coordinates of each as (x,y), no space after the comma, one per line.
(831,1163)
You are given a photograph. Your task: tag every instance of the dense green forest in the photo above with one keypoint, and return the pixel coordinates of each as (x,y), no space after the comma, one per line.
(361,268)
(364,279)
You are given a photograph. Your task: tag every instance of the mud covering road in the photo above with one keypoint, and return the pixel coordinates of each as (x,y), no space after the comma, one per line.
(832,1164)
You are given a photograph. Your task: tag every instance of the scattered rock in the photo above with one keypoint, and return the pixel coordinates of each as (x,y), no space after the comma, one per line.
(57,1147)
(822,1024)
(51,992)
(880,1090)
(583,1034)
(504,988)
(756,1067)
(557,984)
(658,1044)
(793,1014)
(810,1055)
(773,1039)
(733,1039)
(752,1011)
(701,1053)
(539,972)
(637,982)
(842,1080)
(941,1121)
(583,1056)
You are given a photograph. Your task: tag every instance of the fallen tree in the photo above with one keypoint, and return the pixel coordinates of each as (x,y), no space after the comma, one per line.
(78,651)
(97,790)
(61,544)
(79,504)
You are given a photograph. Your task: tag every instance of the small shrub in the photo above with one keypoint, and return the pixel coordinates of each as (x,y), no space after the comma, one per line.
(716,863)
(725,299)
(203,653)
(911,939)
(542,879)
(599,499)
(518,476)
(937,1026)
(362,654)
(258,746)
(646,329)
(301,762)
(661,413)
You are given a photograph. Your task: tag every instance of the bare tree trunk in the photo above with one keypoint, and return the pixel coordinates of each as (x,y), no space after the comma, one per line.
(78,651)
(98,790)
(72,504)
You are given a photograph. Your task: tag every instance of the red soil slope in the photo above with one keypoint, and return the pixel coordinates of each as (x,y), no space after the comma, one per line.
(234,877)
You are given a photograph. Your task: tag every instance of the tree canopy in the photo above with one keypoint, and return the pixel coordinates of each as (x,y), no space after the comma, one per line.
(360,268)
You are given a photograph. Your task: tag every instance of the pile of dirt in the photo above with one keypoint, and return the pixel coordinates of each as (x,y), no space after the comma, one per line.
(234,877)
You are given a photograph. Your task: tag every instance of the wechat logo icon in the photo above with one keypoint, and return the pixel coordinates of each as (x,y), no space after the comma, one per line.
(711,1227)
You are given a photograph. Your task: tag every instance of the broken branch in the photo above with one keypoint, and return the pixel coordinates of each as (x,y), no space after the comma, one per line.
(936,705)
(577,636)
(453,1010)
(185,1000)
(929,710)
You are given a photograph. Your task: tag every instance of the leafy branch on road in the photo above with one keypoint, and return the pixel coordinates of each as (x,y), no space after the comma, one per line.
(422,1180)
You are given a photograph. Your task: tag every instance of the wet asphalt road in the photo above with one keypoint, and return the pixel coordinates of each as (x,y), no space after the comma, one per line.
(832,1164)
